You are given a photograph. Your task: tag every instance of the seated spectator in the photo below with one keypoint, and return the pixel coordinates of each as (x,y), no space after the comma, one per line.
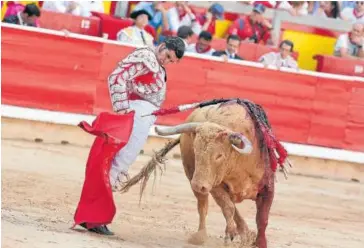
(78,8)
(88,6)
(345,4)
(136,34)
(267,4)
(70,7)
(282,58)
(354,14)
(27,17)
(313,7)
(13,7)
(203,45)
(350,45)
(208,20)
(185,33)
(157,12)
(182,15)
(232,48)
(295,8)
(253,28)
(330,9)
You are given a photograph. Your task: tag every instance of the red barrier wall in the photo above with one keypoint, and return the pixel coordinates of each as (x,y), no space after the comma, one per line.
(66,74)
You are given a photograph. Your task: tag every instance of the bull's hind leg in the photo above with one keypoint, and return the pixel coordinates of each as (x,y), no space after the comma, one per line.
(199,237)
(222,199)
(263,203)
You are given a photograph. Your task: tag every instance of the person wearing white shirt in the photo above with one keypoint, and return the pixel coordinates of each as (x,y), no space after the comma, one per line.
(354,14)
(203,44)
(71,7)
(87,6)
(282,58)
(185,33)
(351,45)
(296,8)
(79,8)
(182,15)
(136,34)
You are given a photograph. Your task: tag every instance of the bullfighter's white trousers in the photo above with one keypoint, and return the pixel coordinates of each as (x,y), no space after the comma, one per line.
(139,135)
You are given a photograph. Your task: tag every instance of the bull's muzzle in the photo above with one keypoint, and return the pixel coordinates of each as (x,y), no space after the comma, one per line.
(199,187)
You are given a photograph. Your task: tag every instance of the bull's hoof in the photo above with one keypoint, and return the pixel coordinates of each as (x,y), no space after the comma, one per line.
(230,232)
(198,238)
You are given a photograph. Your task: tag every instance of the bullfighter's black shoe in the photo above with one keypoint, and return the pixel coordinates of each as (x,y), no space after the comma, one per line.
(103,230)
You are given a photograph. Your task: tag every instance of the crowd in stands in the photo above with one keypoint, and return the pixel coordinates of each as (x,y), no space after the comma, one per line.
(182,20)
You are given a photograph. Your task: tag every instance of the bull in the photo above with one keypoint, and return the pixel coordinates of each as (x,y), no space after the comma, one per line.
(226,151)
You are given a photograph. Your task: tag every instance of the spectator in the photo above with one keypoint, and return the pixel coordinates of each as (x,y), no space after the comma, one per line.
(267,4)
(87,7)
(295,8)
(185,33)
(79,8)
(208,20)
(136,34)
(232,48)
(71,7)
(350,45)
(182,15)
(345,4)
(27,17)
(157,12)
(253,28)
(354,14)
(330,9)
(282,58)
(313,7)
(203,45)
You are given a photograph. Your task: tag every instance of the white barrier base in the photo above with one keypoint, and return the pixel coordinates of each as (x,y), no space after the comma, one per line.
(75,119)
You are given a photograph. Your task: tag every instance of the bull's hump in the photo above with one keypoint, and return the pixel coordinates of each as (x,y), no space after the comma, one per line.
(233,116)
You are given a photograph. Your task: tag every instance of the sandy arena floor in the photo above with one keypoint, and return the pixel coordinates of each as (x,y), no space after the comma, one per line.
(41,184)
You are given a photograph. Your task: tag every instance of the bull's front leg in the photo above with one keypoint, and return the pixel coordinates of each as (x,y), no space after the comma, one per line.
(222,199)
(264,202)
(199,237)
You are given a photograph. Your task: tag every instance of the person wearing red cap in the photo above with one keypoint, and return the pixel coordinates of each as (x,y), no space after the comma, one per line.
(137,86)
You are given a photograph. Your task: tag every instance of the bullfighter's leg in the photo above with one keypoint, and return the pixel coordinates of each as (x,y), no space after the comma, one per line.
(202,204)
(222,199)
(139,135)
(264,202)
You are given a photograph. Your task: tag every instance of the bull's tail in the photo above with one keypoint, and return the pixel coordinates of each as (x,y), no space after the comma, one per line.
(157,160)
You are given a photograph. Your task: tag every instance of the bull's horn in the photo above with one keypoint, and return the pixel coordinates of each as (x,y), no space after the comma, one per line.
(182,128)
(237,140)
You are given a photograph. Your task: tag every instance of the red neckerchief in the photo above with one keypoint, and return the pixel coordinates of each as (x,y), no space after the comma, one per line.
(181,14)
(357,15)
(202,51)
(349,36)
